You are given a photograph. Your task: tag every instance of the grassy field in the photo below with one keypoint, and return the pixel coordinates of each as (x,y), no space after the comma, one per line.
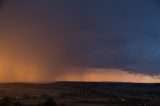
(82,94)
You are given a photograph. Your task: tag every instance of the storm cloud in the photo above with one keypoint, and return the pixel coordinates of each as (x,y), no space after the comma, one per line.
(109,34)
(118,34)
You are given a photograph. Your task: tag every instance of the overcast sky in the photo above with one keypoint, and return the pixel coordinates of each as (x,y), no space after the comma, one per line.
(51,35)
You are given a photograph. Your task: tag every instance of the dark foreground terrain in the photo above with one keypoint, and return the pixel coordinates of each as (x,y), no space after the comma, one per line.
(79,94)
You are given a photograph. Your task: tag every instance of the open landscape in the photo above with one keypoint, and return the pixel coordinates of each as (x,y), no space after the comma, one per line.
(80,94)
(79,52)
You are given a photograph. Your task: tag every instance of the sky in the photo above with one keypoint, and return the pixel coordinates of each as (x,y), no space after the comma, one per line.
(79,40)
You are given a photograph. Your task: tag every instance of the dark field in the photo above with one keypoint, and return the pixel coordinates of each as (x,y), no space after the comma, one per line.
(79,94)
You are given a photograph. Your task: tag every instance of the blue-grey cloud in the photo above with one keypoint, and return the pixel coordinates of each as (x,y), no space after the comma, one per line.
(119,34)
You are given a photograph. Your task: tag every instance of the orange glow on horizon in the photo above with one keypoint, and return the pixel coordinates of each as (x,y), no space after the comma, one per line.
(21,74)
(110,75)
(24,70)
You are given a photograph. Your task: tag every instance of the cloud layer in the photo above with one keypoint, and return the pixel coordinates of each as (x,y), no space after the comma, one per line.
(116,34)
(54,35)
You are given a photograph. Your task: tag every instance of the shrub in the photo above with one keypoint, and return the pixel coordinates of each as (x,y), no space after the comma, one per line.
(17,104)
(50,102)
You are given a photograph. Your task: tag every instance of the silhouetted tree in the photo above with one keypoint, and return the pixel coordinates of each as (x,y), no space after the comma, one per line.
(26,96)
(6,101)
(50,102)
(39,104)
(45,96)
(17,104)
(4,104)
(62,104)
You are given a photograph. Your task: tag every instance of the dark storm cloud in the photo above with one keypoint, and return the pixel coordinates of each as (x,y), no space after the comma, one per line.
(118,34)
(121,34)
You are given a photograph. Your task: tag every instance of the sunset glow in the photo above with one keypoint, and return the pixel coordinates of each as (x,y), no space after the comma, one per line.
(33,74)
(47,41)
